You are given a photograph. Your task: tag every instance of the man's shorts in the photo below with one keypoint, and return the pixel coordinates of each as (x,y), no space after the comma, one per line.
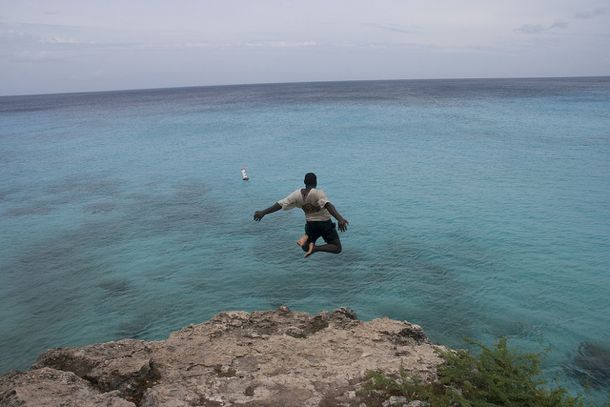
(326,229)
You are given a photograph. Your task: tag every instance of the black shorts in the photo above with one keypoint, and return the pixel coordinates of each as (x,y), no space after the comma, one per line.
(326,229)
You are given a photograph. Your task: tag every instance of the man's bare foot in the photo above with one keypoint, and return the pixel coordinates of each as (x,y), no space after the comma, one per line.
(310,251)
(301,242)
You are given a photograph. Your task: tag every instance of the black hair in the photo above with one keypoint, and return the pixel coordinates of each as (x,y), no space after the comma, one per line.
(310,179)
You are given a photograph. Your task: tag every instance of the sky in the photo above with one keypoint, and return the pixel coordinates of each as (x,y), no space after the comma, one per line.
(53,46)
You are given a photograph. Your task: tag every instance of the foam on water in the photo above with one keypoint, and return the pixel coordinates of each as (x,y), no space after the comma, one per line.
(477,208)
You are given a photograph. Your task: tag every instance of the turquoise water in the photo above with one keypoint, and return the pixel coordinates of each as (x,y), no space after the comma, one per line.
(477,208)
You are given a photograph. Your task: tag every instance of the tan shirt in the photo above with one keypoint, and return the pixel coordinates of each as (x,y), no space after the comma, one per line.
(312,205)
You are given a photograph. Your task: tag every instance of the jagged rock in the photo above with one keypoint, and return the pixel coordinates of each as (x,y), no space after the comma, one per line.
(411,333)
(592,365)
(275,358)
(48,387)
(124,366)
(395,401)
(345,313)
(282,309)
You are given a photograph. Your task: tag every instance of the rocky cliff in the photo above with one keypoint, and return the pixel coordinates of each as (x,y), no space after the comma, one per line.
(274,358)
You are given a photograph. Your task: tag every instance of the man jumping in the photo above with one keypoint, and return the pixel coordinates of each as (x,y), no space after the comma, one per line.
(317,210)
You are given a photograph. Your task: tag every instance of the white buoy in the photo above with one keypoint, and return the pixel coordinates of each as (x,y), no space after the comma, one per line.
(244,175)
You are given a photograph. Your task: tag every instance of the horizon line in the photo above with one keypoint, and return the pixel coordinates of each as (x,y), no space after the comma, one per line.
(300,82)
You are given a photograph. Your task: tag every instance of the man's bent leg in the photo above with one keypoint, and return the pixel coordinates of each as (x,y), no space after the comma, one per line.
(328,248)
(310,249)
(303,240)
(311,235)
(331,238)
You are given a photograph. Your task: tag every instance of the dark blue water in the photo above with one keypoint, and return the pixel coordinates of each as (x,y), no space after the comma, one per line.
(477,208)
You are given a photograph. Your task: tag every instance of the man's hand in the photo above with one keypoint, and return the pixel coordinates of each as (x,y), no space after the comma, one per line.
(258,215)
(343,225)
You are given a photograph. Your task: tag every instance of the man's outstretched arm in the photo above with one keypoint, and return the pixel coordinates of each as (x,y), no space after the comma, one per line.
(340,219)
(258,215)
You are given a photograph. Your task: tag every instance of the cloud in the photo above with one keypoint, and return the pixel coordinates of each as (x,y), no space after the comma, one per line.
(585,15)
(558,24)
(62,40)
(38,42)
(200,44)
(45,34)
(539,28)
(390,27)
(281,44)
(531,29)
(35,56)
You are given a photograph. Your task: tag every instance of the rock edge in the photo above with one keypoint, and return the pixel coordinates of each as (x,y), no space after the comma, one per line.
(270,358)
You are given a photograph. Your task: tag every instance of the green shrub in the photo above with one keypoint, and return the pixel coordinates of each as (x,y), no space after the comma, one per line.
(495,377)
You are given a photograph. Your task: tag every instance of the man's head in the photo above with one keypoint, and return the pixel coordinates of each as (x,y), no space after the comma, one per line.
(310,180)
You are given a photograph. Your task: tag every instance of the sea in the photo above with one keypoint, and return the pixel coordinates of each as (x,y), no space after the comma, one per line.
(477,208)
